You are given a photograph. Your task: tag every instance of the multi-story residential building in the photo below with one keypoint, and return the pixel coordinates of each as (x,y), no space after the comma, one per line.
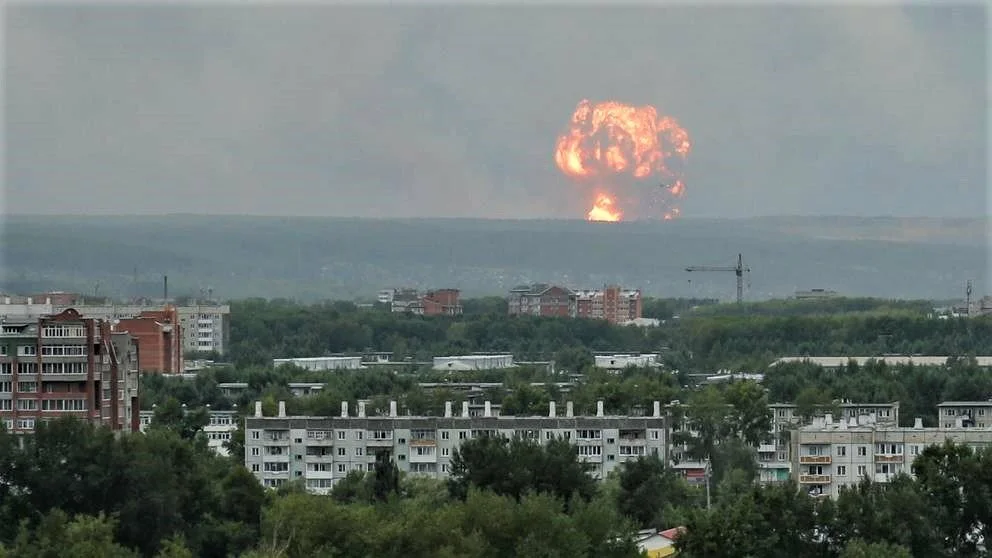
(322,450)
(613,304)
(220,427)
(541,299)
(829,455)
(440,302)
(160,340)
(205,326)
(974,413)
(67,365)
(775,455)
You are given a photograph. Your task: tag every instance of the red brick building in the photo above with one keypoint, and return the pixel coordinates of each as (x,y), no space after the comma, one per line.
(541,300)
(160,340)
(67,365)
(442,302)
(613,304)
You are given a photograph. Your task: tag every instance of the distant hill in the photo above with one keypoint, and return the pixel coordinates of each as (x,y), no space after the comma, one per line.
(310,258)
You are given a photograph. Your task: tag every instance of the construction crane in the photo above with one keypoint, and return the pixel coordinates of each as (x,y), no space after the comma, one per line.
(739,269)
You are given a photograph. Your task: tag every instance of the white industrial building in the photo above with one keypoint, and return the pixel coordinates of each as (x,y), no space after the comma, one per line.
(473,362)
(620,362)
(835,362)
(321,363)
(323,450)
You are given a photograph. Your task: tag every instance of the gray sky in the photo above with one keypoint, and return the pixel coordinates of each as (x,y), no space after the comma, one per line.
(441,111)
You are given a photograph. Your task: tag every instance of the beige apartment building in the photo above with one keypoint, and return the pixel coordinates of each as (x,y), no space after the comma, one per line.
(828,455)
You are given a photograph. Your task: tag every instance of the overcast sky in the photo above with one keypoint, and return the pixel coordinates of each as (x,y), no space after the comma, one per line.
(442,111)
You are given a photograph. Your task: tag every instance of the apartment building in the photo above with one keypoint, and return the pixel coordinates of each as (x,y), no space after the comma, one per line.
(159,337)
(775,455)
(322,450)
(205,326)
(440,302)
(976,414)
(220,427)
(612,303)
(829,455)
(838,362)
(619,362)
(541,299)
(67,365)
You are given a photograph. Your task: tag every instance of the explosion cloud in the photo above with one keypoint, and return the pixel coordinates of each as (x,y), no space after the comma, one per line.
(628,158)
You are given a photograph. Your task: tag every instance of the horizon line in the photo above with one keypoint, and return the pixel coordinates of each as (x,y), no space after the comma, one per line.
(475,218)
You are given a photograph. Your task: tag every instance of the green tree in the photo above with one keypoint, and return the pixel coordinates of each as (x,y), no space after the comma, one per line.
(647,490)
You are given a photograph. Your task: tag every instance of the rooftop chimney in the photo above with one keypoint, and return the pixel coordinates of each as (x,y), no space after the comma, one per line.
(828,419)
(918,423)
(165,287)
(344,409)
(30,301)
(361,409)
(465,408)
(551,409)
(489,410)
(258,408)
(599,408)
(48,300)
(568,409)
(657,408)
(447,409)
(282,408)
(392,408)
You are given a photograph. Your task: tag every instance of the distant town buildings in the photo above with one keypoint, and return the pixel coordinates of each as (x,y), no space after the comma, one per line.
(67,365)
(205,326)
(440,302)
(612,303)
(221,425)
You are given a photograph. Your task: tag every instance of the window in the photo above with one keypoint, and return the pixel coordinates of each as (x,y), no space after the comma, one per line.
(444,452)
(862,451)
(63,350)
(445,435)
(276,467)
(841,450)
(359,451)
(342,452)
(25,424)
(254,467)
(27,387)
(64,331)
(6,387)
(359,435)
(342,467)
(589,450)
(589,434)
(380,435)
(255,434)
(27,350)
(342,434)
(862,470)
(841,470)
(27,404)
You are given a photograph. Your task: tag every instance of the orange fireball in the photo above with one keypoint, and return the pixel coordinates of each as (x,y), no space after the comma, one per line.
(603,209)
(610,139)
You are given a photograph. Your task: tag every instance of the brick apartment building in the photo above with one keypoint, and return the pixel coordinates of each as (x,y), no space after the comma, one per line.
(159,334)
(67,365)
(612,303)
(440,302)
(541,299)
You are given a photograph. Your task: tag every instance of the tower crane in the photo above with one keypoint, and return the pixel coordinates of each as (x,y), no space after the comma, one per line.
(738,269)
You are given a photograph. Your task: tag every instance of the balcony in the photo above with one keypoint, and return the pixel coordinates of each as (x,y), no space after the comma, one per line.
(814,460)
(767,448)
(422,442)
(814,479)
(888,458)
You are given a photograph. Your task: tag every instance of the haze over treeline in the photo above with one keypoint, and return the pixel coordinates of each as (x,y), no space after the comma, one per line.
(320,258)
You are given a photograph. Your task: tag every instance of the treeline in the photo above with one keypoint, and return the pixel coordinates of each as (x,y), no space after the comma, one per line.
(76,490)
(700,340)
